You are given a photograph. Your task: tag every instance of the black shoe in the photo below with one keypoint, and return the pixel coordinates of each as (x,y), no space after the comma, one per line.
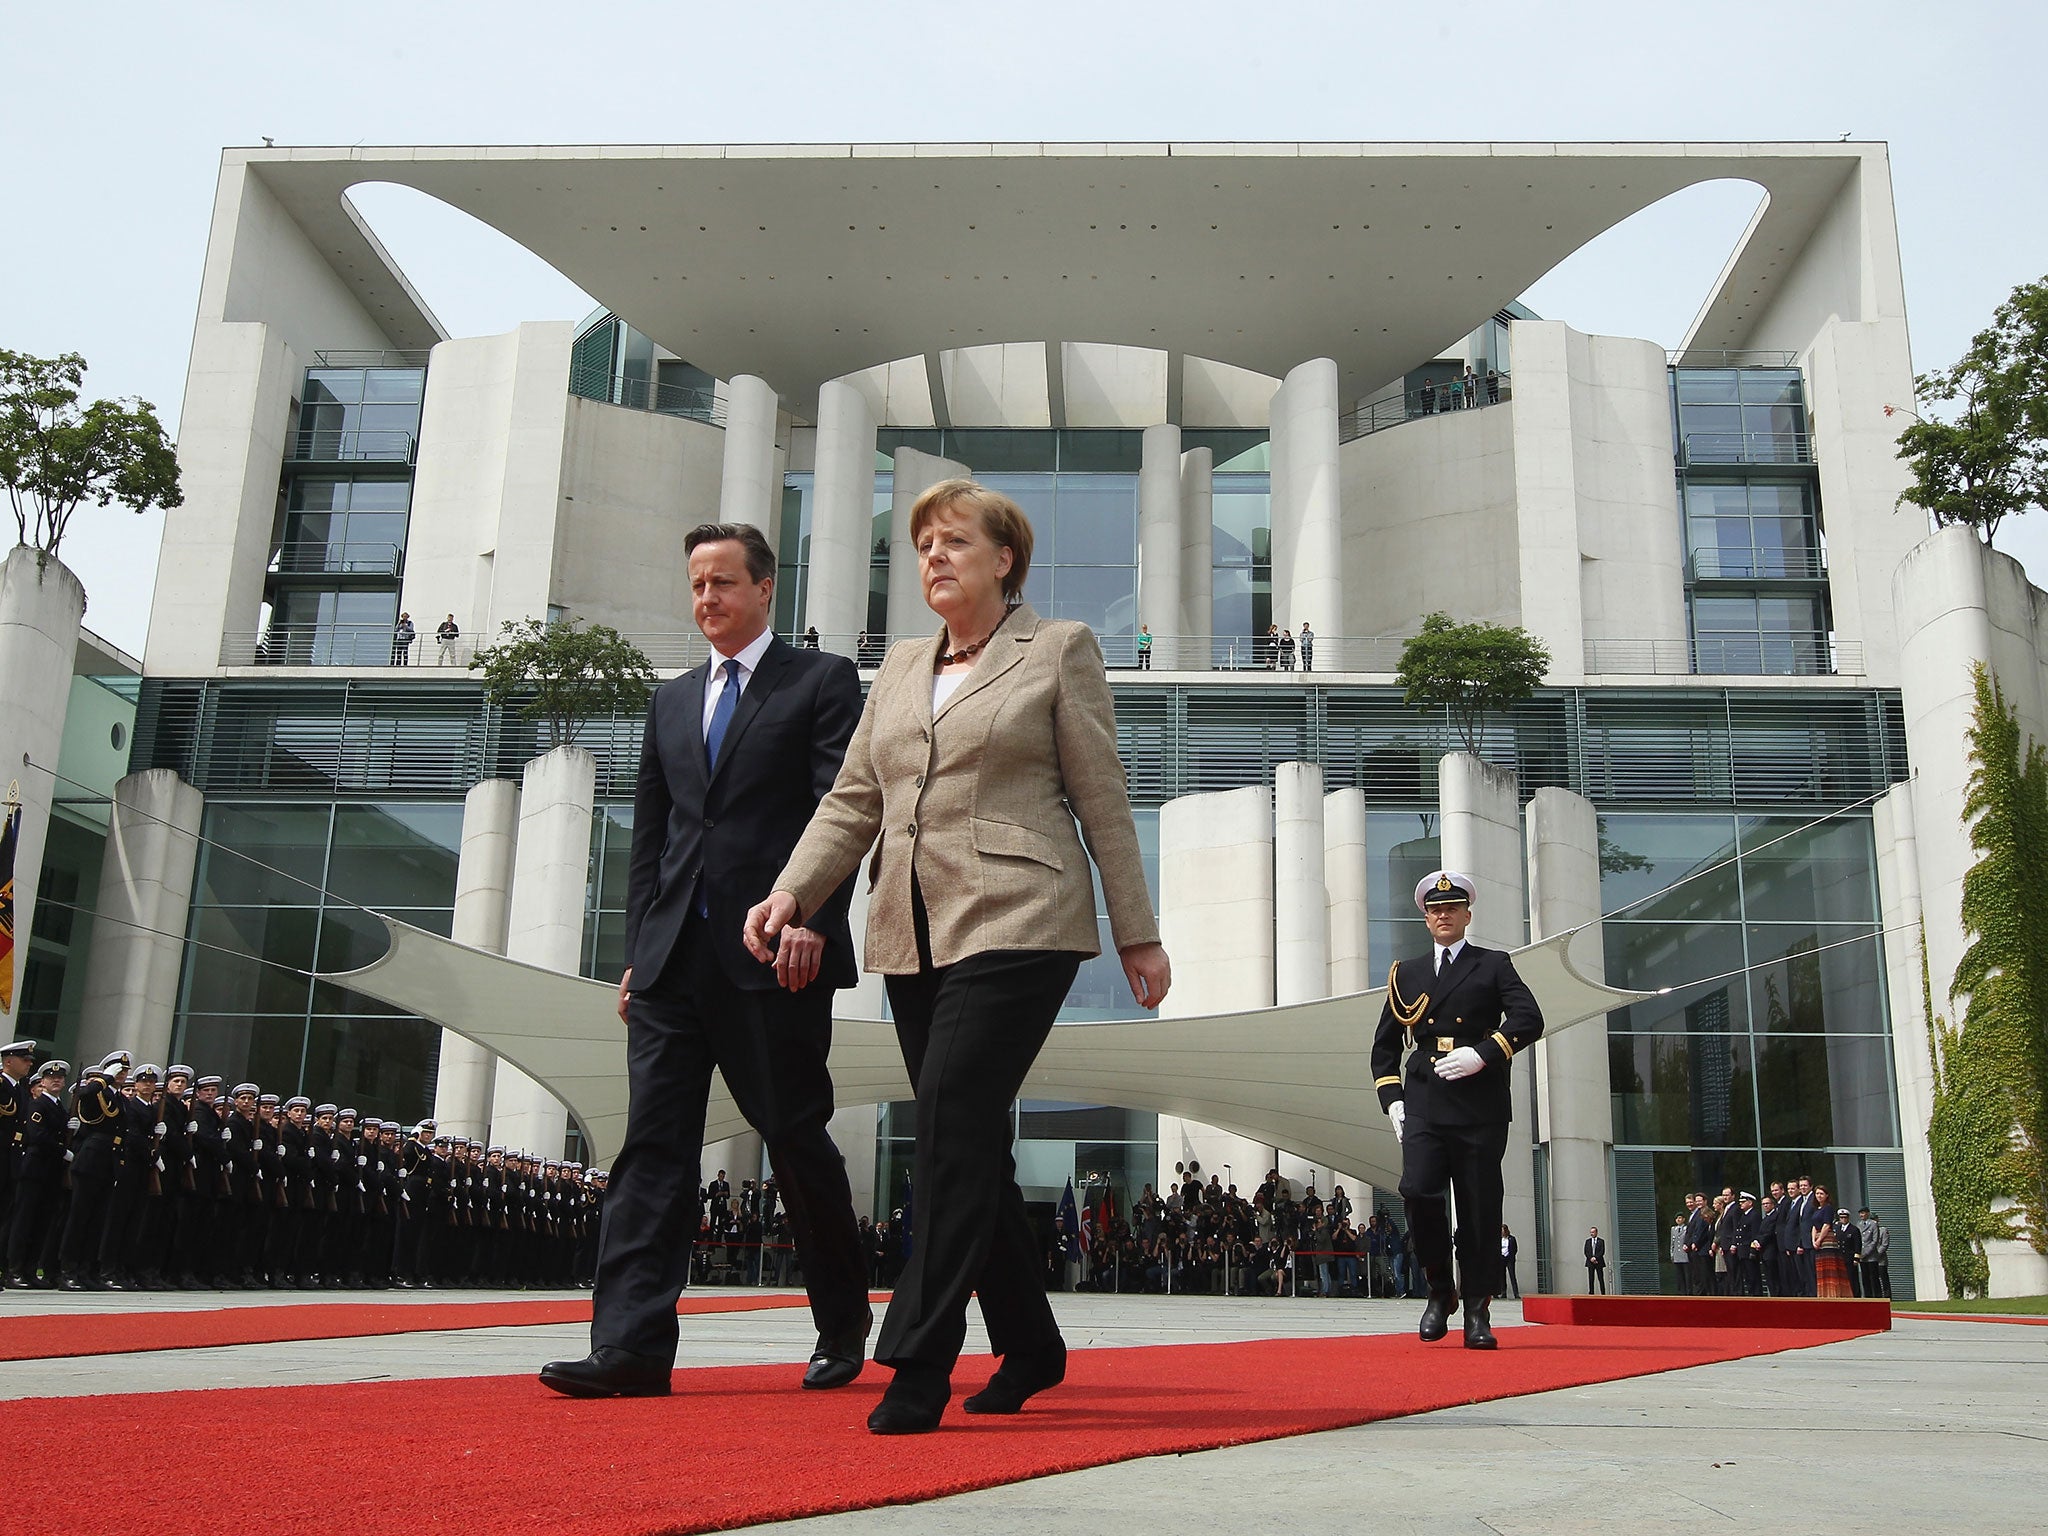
(1479,1327)
(1019,1376)
(72,1283)
(608,1372)
(835,1362)
(914,1403)
(1436,1316)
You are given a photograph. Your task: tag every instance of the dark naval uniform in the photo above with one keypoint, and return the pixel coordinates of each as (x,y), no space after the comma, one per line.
(1456,1132)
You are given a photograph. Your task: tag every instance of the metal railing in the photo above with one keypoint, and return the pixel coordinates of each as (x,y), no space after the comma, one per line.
(388,357)
(1730,357)
(338,645)
(1758,565)
(316,557)
(383,445)
(1431,401)
(1791,654)
(1745,448)
(662,399)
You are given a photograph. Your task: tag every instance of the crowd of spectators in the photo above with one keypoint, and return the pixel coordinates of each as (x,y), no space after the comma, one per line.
(1794,1241)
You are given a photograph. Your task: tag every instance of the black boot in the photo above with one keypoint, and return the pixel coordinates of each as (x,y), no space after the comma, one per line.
(914,1403)
(1478,1326)
(1436,1315)
(1019,1377)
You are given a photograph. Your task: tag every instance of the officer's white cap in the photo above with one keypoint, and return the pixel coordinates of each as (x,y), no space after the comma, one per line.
(1441,886)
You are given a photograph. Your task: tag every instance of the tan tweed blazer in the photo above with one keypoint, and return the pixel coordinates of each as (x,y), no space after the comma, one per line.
(982,803)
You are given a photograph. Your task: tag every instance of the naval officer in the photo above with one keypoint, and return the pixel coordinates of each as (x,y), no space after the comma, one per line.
(1466,1013)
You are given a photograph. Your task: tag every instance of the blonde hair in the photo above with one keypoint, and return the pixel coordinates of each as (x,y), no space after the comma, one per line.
(1000,518)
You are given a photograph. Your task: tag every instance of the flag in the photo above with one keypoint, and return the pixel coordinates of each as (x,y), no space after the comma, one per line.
(1072,1218)
(9,831)
(1105,1219)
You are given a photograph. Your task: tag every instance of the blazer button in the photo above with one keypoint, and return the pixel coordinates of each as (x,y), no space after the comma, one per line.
(920,781)
(709,822)
(911,829)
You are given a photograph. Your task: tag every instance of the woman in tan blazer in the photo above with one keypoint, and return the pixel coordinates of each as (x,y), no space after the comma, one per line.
(977,753)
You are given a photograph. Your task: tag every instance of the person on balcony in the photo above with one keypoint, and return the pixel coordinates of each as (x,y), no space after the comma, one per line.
(449,635)
(402,636)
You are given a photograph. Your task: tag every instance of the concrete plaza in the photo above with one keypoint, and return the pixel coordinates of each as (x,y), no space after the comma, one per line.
(1936,1423)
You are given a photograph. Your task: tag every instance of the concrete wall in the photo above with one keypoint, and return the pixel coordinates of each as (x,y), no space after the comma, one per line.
(1848,269)
(1958,603)
(633,483)
(487,490)
(1429,523)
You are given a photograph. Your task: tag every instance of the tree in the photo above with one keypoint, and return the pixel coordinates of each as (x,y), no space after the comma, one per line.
(1989,1123)
(1471,669)
(55,456)
(565,674)
(1988,460)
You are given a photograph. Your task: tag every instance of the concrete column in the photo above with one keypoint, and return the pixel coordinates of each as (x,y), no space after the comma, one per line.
(1159,543)
(1344,876)
(1197,560)
(40,609)
(1905,961)
(1301,904)
(544,926)
(842,517)
(131,987)
(1308,580)
(750,490)
(483,904)
(1574,1111)
(1482,837)
(916,473)
(1216,906)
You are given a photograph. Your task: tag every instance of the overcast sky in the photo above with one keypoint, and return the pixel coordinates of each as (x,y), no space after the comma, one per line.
(114,115)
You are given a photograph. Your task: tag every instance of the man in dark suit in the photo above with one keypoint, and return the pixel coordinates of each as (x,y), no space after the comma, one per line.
(1699,1244)
(1467,1014)
(736,756)
(1596,1262)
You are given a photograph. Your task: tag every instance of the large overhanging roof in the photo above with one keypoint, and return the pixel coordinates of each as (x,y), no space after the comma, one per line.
(801,263)
(1298,1076)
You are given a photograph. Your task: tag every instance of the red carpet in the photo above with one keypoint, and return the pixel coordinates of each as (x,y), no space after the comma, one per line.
(1709,1312)
(742,1445)
(54,1335)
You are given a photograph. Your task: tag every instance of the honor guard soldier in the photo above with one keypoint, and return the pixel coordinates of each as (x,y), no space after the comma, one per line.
(39,1180)
(323,1184)
(339,1264)
(134,1213)
(242,1140)
(174,1152)
(203,1254)
(96,1142)
(1465,1013)
(16,1060)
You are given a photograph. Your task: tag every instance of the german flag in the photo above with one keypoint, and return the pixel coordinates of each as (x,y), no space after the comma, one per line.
(8,831)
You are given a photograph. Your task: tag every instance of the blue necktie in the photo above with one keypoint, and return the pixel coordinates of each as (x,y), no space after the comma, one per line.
(721,713)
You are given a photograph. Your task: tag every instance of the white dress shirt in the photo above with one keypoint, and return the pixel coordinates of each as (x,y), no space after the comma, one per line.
(749,658)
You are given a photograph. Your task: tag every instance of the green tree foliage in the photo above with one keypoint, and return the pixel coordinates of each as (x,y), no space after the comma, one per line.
(1990,1116)
(1473,670)
(564,673)
(1980,455)
(56,455)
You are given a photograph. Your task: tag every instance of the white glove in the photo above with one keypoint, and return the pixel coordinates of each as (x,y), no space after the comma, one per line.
(158,1129)
(1398,1113)
(191,1127)
(1463,1062)
(259,1146)
(71,1125)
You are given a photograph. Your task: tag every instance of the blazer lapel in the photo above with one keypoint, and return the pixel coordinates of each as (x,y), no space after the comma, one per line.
(692,721)
(1455,974)
(998,658)
(921,690)
(774,661)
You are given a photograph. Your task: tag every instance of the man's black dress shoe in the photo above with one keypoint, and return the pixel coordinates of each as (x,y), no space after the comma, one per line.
(1019,1376)
(1436,1317)
(1479,1327)
(914,1403)
(608,1372)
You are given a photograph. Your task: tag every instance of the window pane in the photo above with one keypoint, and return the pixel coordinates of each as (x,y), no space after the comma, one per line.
(344,385)
(290,839)
(1097,520)
(394,384)
(1830,1090)
(1682,1090)
(396,855)
(1643,855)
(1705,385)
(319,495)
(1825,873)
(1105,598)
(985,451)
(1643,957)
(1099,449)
(1770,386)
(1806,988)
(266,1052)
(380,495)
(240,981)
(375,1065)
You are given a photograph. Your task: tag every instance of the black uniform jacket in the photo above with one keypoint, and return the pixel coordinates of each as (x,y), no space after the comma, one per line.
(730,829)
(1480,1003)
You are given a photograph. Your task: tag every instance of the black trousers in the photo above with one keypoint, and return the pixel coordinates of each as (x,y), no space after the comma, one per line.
(92,1185)
(969,1034)
(1596,1279)
(38,1190)
(1438,1163)
(770,1047)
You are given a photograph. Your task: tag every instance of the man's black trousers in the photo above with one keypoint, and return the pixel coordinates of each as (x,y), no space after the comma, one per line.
(771,1049)
(1438,1162)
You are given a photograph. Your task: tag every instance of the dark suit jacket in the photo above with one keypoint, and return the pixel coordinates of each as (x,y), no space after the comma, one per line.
(1482,1003)
(1596,1252)
(730,830)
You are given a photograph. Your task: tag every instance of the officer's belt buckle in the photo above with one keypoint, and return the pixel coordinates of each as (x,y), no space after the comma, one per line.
(1446,1043)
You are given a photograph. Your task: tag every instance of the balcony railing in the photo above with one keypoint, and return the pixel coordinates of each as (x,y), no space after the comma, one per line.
(1746,448)
(1759,565)
(1731,357)
(662,399)
(1396,409)
(387,357)
(1790,654)
(318,558)
(384,445)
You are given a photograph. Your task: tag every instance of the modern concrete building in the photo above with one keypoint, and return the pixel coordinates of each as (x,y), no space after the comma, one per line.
(1235,385)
